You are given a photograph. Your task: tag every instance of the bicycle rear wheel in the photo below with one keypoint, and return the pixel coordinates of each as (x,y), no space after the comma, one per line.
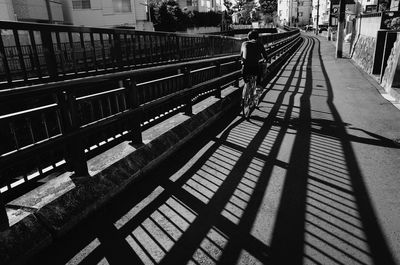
(257,96)
(247,100)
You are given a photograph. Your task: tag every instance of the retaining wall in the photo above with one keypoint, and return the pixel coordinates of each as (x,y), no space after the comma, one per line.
(391,77)
(364,50)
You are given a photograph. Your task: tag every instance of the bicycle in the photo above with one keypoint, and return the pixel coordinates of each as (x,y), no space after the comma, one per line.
(250,96)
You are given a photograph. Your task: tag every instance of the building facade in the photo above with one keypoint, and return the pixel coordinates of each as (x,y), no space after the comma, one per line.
(294,12)
(320,12)
(91,13)
(330,8)
(201,5)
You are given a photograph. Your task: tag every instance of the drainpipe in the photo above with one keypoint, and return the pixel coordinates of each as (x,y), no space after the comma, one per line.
(48,7)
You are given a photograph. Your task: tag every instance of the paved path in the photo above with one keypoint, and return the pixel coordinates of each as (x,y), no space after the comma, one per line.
(311,178)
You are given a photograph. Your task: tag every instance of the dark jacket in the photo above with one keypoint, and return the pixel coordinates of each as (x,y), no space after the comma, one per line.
(251,52)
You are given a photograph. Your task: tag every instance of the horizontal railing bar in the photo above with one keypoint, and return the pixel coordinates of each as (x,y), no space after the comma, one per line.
(101,94)
(202,69)
(159,80)
(5,158)
(29,111)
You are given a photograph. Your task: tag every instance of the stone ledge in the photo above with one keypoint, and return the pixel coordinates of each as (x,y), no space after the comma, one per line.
(36,231)
(23,240)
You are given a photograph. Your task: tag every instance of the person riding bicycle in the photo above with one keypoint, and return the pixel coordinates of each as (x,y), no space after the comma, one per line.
(250,54)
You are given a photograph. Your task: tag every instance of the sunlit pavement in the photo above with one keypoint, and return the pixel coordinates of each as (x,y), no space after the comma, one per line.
(311,178)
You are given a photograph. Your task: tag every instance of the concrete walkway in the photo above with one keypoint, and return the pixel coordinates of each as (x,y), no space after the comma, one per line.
(311,178)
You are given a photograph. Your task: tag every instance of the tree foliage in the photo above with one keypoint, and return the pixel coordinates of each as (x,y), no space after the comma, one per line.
(168,16)
(268,6)
(245,10)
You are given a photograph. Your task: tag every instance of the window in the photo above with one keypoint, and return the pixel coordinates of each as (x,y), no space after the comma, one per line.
(300,14)
(122,6)
(188,2)
(301,3)
(81,4)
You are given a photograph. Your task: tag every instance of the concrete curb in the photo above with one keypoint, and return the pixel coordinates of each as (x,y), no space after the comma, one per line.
(37,231)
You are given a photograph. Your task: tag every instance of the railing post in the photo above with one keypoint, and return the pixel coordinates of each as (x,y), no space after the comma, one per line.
(75,153)
(211,38)
(117,50)
(188,97)
(178,50)
(236,84)
(218,84)
(49,54)
(4,224)
(132,96)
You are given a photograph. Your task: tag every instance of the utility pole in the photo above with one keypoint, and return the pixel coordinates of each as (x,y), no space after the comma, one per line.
(339,42)
(297,13)
(330,20)
(317,26)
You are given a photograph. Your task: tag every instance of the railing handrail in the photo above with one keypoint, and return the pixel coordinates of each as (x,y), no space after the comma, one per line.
(60,85)
(59,52)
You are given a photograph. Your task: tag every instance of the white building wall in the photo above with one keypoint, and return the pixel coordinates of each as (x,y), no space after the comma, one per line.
(34,9)
(323,12)
(205,5)
(283,11)
(140,8)
(30,10)
(101,14)
(57,10)
(305,9)
(6,10)
(364,3)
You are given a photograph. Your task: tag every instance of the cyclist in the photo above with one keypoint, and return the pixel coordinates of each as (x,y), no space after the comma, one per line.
(251,53)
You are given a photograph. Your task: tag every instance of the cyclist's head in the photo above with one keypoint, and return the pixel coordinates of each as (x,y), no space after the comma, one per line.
(253,35)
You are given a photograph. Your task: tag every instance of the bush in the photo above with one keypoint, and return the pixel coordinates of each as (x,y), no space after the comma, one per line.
(393,23)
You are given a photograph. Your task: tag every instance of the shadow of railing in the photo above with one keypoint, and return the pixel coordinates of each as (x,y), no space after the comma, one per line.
(325,214)
(241,199)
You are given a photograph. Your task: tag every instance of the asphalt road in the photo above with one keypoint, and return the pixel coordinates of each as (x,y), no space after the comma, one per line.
(311,178)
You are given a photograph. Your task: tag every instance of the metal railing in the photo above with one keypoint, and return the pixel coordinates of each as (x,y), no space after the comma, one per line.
(33,53)
(61,125)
